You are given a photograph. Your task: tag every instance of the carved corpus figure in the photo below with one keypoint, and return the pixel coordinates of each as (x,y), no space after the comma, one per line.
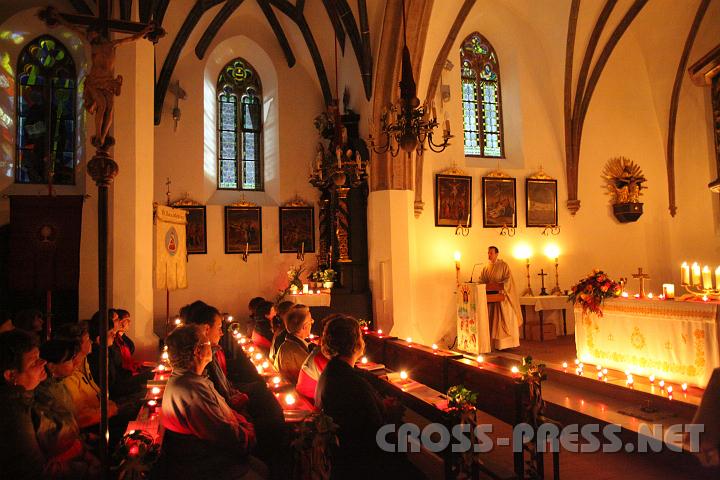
(101,84)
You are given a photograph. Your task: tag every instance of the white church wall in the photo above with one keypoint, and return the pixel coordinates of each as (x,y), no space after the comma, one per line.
(623,119)
(292,99)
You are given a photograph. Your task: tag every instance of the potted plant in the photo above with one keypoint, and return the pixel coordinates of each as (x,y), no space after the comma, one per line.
(316,279)
(328,277)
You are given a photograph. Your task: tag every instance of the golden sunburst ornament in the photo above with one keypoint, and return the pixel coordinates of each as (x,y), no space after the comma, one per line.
(624,180)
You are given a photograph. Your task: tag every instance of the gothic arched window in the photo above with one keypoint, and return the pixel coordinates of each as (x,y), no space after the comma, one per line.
(482,111)
(239,127)
(45,109)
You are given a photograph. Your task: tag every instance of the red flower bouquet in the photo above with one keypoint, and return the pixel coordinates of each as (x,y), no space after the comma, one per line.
(591,291)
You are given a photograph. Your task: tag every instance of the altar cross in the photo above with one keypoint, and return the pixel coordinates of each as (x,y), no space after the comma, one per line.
(542,276)
(642,277)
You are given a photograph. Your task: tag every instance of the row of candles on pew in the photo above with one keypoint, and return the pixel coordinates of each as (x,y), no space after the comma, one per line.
(602,374)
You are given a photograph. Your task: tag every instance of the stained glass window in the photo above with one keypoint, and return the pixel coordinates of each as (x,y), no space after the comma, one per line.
(482,111)
(45,143)
(239,124)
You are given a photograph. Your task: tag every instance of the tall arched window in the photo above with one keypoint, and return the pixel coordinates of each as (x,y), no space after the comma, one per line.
(482,111)
(45,109)
(239,127)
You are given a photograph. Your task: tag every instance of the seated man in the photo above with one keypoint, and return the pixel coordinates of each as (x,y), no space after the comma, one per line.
(252,307)
(204,437)
(292,353)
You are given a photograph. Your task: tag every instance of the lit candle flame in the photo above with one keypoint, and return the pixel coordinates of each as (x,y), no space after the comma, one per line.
(155,390)
(290,399)
(276,380)
(684,387)
(480,359)
(403,375)
(514,370)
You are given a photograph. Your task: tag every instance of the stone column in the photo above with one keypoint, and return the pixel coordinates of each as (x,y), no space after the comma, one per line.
(132,195)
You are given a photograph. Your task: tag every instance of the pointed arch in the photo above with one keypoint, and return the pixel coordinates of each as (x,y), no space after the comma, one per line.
(45,113)
(481,98)
(239,127)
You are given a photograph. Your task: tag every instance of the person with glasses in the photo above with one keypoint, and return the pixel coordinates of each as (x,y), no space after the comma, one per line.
(204,436)
(292,353)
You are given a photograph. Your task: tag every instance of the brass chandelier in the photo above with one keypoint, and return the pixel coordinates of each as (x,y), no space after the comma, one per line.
(407,125)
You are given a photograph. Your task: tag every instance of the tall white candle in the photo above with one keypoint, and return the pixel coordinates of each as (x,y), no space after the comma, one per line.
(707,279)
(685,273)
(717,278)
(695,273)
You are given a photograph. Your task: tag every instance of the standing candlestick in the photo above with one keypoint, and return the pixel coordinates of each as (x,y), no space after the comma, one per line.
(528,291)
(457,267)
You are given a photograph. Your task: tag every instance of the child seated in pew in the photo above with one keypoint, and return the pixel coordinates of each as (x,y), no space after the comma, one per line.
(252,318)
(279,328)
(292,353)
(262,335)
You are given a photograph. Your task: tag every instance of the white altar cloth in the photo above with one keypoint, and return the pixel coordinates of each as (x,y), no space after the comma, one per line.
(673,340)
(321,299)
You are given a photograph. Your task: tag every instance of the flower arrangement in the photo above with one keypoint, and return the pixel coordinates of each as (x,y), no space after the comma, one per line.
(314,445)
(328,275)
(135,455)
(591,291)
(294,276)
(461,400)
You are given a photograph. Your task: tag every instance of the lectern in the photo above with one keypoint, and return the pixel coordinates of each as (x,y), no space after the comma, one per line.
(473,325)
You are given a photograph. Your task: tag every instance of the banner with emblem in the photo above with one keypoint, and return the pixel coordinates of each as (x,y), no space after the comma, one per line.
(170,248)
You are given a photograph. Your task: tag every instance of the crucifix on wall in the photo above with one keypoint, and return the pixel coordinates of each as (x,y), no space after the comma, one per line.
(101,84)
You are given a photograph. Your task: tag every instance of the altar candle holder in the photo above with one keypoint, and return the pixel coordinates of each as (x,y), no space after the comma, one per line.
(700,284)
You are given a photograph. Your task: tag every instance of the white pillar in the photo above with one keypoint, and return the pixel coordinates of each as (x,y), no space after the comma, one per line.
(132,195)
(391,237)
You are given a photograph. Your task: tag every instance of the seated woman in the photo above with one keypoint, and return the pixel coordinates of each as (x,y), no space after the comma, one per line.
(262,335)
(59,437)
(313,366)
(30,320)
(353,404)
(123,344)
(279,329)
(292,353)
(22,370)
(84,391)
(204,437)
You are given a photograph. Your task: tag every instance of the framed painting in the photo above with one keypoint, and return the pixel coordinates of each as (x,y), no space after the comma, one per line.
(541,202)
(499,202)
(243,229)
(196,229)
(453,200)
(297,229)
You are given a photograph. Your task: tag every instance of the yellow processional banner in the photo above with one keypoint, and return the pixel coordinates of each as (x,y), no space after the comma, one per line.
(170,248)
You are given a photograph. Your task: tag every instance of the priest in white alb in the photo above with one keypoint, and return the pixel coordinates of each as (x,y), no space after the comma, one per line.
(505,317)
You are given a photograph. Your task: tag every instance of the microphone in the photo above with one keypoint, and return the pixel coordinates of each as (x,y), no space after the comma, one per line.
(473,271)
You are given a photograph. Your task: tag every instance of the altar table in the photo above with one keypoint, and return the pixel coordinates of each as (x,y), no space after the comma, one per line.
(544,305)
(674,340)
(321,299)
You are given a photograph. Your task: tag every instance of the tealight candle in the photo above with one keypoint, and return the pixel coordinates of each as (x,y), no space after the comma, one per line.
(651,378)
(514,370)
(276,380)
(379,331)
(152,403)
(178,321)
(599,367)
(155,390)
(577,362)
(311,336)
(364,360)
(624,294)
(669,389)
(604,371)
(630,381)
(684,387)
(290,399)
(661,383)
(479,359)
(434,346)
(161,368)
(565,365)
(165,356)
(403,375)
(243,341)
(230,318)
(251,349)
(266,364)
(408,339)
(258,356)
(260,369)
(650,295)
(600,375)
(669,290)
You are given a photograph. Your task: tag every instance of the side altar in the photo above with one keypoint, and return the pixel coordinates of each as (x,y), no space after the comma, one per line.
(674,340)
(473,324)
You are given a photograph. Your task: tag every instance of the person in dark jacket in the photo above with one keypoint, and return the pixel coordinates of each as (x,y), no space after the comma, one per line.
(22,371)
(262,335)
(280,332)
(354,406)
